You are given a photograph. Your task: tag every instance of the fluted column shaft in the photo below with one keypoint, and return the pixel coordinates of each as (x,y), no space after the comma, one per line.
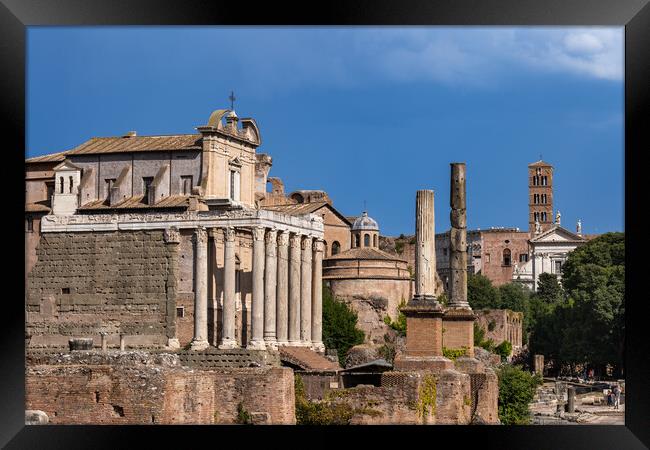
(294,289)
(228,317)
(257,313)
(282,293)
(270,277)
(317,296)
(200,340)
(458,239)
(425,252)
(305,292)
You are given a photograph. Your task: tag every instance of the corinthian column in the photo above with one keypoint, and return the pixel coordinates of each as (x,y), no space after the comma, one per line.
(458,239)
(294,290)
(282,297)
(425,251)
(257,313)
(200,340)
(270,275)
(228,329)
(305,293)
(317,296)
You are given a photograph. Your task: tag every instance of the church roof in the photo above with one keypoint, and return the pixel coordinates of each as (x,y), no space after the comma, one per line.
(299,209)
(135,202)
(540,163)
(138,144)
(365,222)
(564,235)
(366,253)
(52,157)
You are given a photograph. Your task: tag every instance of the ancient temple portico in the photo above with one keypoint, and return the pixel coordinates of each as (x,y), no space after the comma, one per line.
(287,253)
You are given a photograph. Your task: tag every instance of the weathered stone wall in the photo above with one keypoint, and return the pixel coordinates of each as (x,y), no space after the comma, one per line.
(501,325)
(115,282)
(144,388)
(372,299)
(336,229)
(493,245)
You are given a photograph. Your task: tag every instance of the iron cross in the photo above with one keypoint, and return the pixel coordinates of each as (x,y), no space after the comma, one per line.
(232,99)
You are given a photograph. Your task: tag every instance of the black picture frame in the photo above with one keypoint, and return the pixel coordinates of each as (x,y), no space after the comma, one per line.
(16,15)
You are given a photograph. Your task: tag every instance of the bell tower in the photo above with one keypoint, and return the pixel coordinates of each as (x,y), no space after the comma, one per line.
(540,197)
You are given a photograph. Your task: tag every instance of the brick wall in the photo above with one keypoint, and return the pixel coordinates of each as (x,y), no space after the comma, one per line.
(143,388)
(116,282)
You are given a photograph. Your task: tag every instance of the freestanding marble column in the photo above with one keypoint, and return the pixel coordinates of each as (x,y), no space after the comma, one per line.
(458,239)
(294,289)
(270,286)
(423,312)
(200,340)
(228,317)
(257,312)
(305,292)
(282,293)
(459,318)
(317,297)
(425,250)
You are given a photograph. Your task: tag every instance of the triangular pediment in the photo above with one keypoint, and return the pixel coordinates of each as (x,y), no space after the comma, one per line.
(557,234)
(235,162)
(65,165)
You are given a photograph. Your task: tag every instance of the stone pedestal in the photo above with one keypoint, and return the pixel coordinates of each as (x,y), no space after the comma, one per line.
(458,330)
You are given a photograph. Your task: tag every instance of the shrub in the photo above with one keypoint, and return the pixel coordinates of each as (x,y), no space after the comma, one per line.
(243,416)
(503,349)
(339,325)
(398,325)
(453,353)
(516,391)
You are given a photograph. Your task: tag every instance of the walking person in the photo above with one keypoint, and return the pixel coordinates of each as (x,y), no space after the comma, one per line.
(617,396)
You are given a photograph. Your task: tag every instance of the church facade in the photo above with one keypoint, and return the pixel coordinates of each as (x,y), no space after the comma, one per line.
(162,239)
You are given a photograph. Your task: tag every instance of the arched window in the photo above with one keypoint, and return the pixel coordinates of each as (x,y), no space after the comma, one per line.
(366,240)
(506,257)
(336,248)
(71,185)
(61,185)
(374,241)
(357,243)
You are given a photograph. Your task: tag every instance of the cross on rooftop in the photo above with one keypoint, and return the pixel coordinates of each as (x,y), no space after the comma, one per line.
(232,99)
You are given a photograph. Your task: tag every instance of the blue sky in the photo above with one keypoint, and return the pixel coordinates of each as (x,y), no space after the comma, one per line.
(366,113)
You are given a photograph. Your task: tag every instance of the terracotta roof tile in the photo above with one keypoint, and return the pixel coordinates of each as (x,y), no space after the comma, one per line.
(138,144)
(307,359)
(297,209)
(52,157)
(173,201)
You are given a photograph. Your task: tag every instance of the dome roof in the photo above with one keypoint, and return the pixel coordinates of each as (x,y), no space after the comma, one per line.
(365,223)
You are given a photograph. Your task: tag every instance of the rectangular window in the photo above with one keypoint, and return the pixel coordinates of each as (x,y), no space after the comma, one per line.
(186,184)
(65,290)
(558,266)
(50,190)
(146,188)
(180,311)
(232,184)
(487,257)
(110,182)
(30,225)
(523,257)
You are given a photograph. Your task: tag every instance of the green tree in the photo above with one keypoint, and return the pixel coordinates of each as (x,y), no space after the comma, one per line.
(516,391)
(503,349)
(549,289)
(481,294)
(339,325)
(594,279)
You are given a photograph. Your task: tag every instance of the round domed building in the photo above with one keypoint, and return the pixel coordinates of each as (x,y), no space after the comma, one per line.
(372,281)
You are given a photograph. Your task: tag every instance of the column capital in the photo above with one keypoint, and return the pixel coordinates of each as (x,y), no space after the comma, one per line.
(318,245)
(213,232)
(200,235)
(258,233)
(271,236)
(283,238)
(229,234)
(306,242)
(294,240)
(172,235)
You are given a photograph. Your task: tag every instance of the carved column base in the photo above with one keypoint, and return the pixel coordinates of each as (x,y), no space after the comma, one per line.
(173,344)
(199,345)
(256,345)
(282,343)
(228,344)
(318,347)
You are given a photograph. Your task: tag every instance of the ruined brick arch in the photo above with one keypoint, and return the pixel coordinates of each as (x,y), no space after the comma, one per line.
(298,197)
